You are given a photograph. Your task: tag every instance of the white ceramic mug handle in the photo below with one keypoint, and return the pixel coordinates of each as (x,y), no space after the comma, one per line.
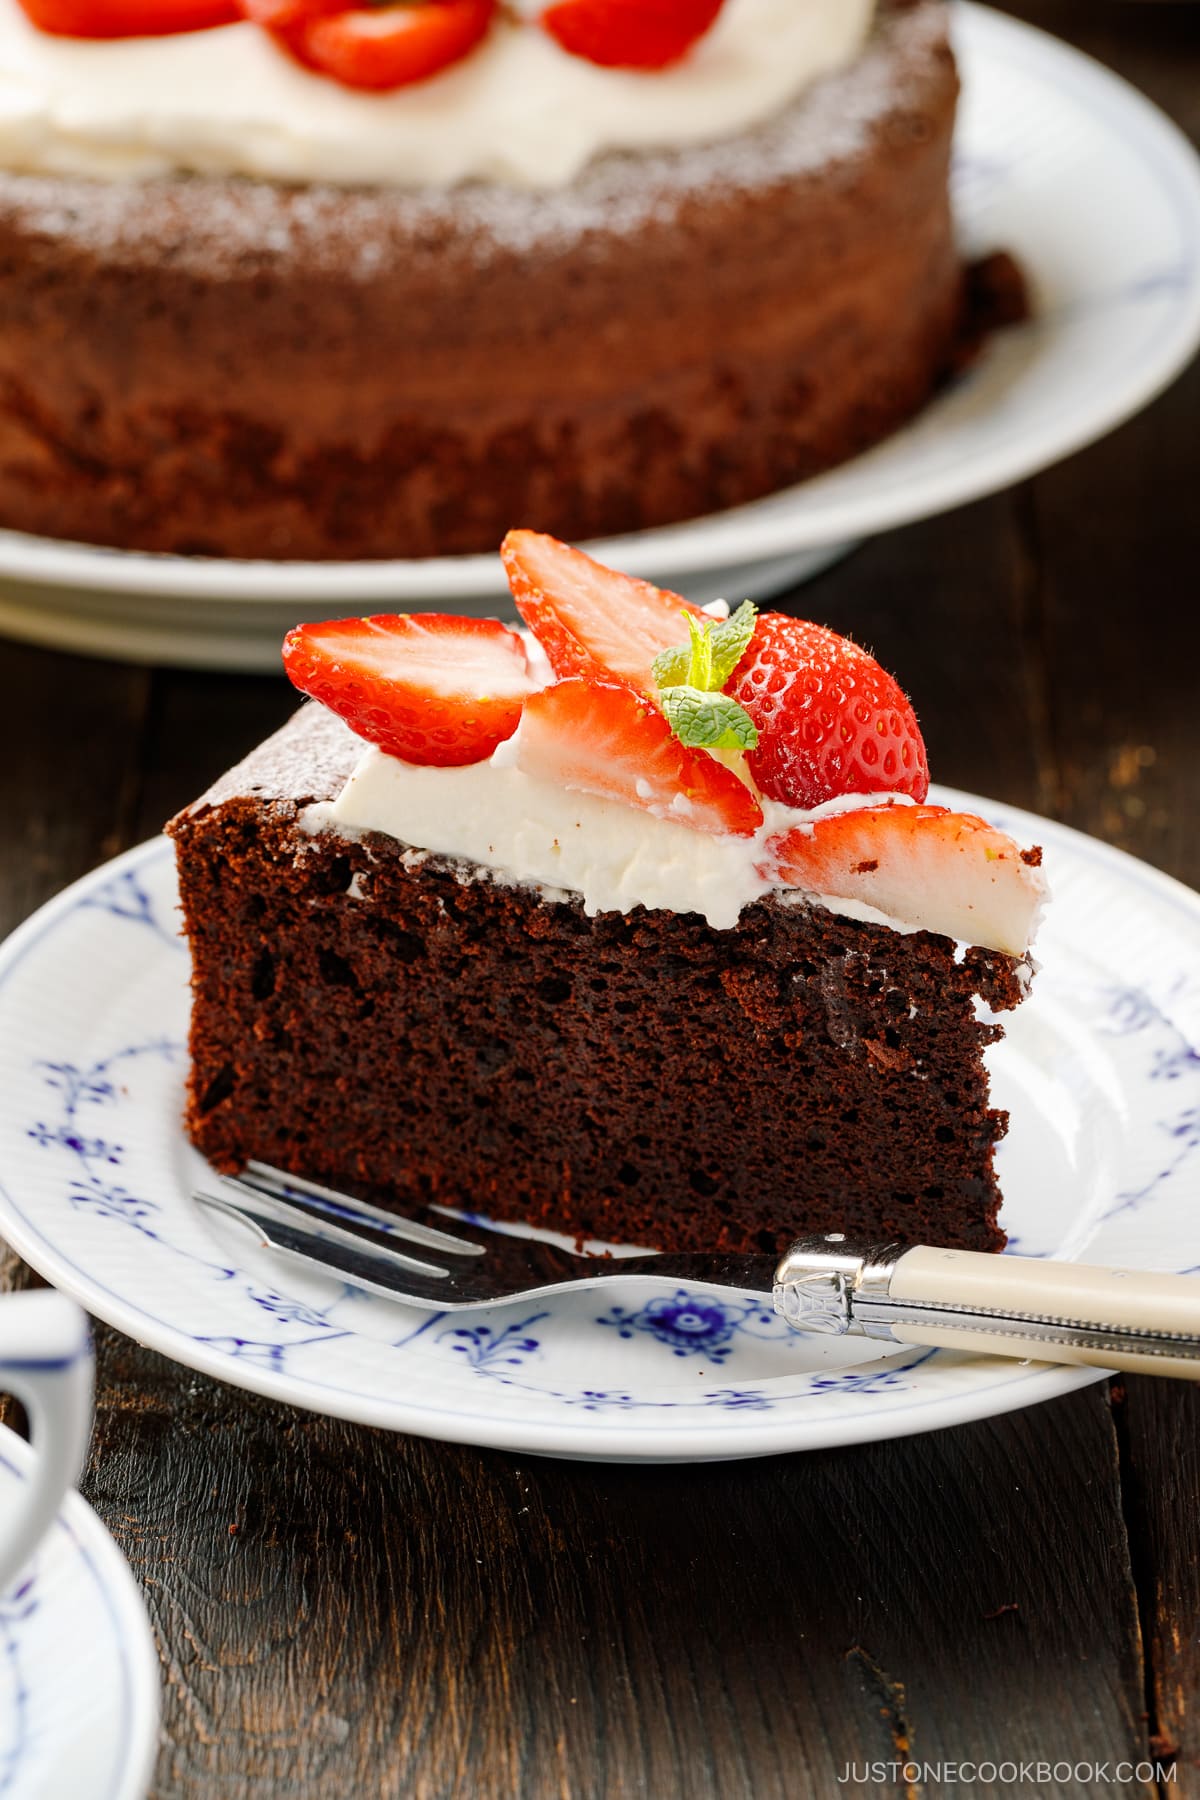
(46,1361)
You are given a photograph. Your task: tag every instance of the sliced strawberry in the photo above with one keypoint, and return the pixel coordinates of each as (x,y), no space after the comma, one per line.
(426,687)
(384,47)
(589,619)
(945,871)
(630,34)
(128,18)
(830,720)
(602,738)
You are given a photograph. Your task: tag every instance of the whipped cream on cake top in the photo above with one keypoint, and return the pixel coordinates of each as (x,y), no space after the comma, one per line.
(518,110)
(496,821)
(536,833)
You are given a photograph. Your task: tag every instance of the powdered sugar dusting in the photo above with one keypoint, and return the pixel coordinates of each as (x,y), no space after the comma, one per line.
(209,223)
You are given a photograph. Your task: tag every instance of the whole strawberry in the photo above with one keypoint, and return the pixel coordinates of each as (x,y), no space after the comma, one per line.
(830,720)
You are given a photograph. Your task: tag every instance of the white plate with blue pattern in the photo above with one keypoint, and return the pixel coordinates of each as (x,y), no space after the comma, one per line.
(79,1682)
(1056,159)
(1100,1070)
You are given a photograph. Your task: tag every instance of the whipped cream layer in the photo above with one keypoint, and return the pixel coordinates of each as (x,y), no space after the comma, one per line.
(533,832)
(518,110)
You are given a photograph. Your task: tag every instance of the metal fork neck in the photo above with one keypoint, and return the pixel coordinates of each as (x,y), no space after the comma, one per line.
(836,1284)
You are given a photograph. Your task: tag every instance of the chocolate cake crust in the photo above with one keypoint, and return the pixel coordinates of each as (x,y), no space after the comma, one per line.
(235,367)
(416,1031)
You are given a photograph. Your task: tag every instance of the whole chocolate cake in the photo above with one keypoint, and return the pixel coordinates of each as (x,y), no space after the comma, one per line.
(246,313)
(578,974)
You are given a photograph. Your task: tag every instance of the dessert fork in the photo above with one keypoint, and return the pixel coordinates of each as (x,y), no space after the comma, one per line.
(955,1299)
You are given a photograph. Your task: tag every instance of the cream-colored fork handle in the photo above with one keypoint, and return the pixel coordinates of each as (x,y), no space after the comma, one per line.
(1119,1300)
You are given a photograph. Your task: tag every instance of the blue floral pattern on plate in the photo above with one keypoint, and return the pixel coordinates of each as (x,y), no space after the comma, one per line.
(692,1325)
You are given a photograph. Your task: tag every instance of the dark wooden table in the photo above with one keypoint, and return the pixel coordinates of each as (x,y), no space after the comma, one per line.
(344,1614)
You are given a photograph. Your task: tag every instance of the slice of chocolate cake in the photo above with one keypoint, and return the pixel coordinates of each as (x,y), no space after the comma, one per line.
(499,979)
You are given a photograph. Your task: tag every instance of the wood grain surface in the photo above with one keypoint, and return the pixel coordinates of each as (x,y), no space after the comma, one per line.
(343,1614)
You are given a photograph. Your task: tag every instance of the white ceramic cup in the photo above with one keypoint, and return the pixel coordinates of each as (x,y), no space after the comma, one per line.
(46,1362)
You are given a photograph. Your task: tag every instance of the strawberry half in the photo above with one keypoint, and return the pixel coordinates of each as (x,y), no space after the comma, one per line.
(630,34)
(589,619)
(949,872)
(426,687)
(377,47)
(830,720)
(599,737)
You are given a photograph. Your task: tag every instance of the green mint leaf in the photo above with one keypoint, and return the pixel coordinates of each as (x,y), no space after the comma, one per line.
(728,641)
(671,668)
(714,650)
(706,721)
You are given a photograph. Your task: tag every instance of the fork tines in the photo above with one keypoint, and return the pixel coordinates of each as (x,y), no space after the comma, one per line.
(312,1196)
